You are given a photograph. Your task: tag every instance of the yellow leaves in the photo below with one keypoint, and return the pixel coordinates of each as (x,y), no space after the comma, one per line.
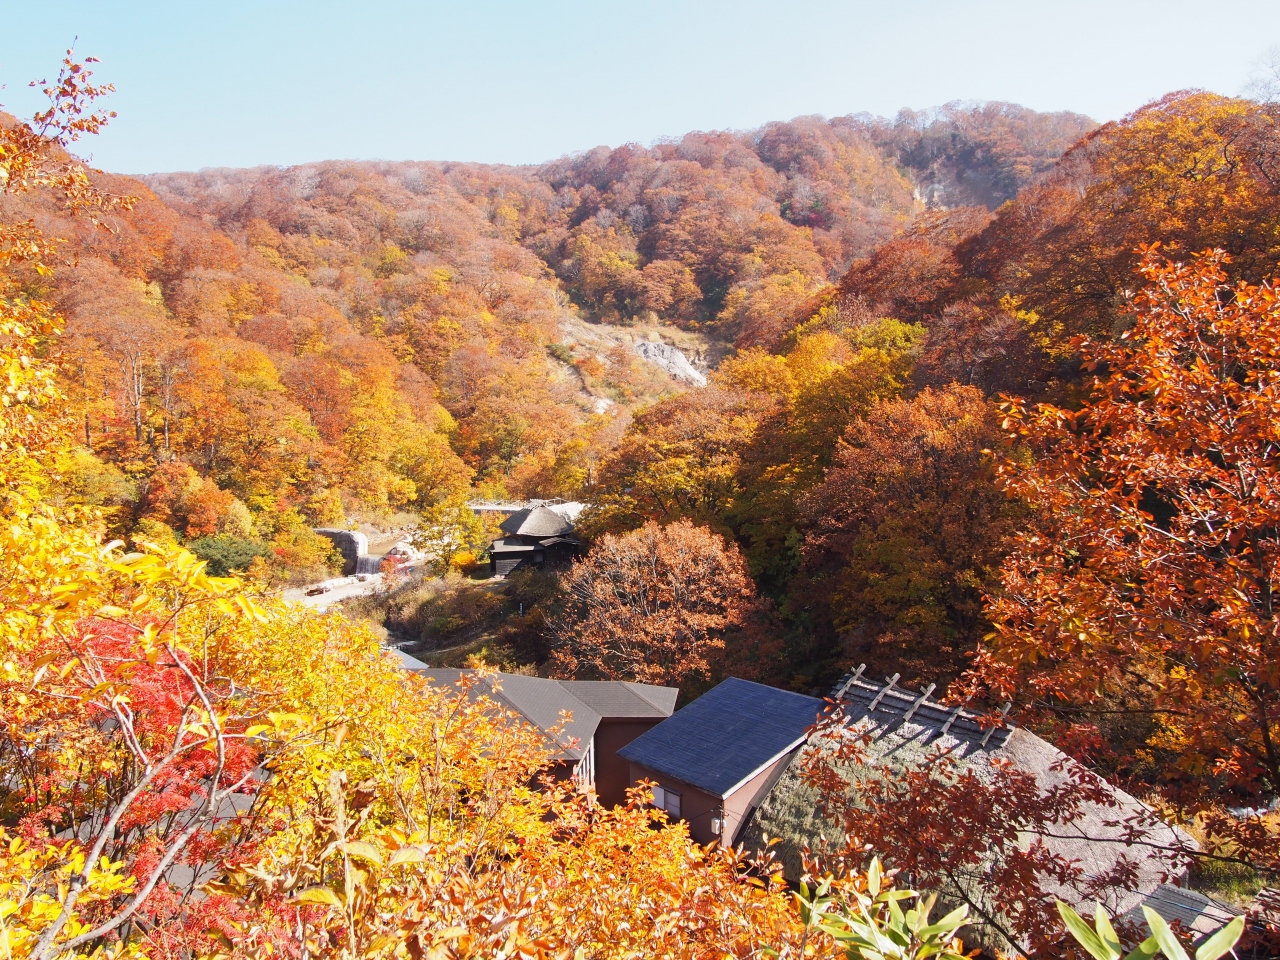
(447,934)
(171,568)
(817,357)
(757,370)
(241,605)
(33,878)
(284,722)
(363,850)
(165,578)
(409,854)
(320,895)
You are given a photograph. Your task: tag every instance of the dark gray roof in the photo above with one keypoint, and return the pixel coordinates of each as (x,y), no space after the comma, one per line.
(405,661)
(541,702)
(614,699)
(726,736)
(443,676)
(535,522)
(511,546)
(664,698)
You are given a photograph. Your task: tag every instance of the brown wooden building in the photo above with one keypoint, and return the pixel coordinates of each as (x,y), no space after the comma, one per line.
(604,717)
(533,536)
(716,759)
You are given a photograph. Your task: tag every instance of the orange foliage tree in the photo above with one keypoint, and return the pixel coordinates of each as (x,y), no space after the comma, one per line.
(678,459)
(905,277)
(904,535)
(654,605)
(1137,612)
(835,370)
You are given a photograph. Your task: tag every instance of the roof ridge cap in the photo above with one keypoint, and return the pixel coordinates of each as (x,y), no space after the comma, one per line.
(565,685)
(631,687)
(879,693)
(559,683)
(792,693)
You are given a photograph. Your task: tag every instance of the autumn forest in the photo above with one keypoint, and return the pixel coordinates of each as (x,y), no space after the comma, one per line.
(982,399)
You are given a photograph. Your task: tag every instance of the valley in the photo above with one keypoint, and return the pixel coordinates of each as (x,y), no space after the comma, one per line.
(930,483)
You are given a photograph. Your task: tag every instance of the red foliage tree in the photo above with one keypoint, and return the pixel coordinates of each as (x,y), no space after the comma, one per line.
(979,830)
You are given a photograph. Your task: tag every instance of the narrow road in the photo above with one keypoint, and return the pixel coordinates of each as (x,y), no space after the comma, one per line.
(340,588)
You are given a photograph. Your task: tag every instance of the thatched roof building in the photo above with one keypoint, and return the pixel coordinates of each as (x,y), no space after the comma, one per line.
(534,536)
(535,522)
(902,730)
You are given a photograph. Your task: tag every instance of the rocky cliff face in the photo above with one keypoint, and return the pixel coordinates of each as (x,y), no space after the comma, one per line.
(672,361)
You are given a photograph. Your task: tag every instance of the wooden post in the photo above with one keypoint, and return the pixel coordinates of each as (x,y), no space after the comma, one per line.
(853,678)
(1004,712)
(880,696)
(919,700)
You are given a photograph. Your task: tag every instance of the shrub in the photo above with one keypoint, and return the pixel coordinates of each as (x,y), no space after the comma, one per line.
(226,554)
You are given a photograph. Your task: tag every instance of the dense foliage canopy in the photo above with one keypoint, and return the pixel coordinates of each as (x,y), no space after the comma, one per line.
(192,768)
(212,365)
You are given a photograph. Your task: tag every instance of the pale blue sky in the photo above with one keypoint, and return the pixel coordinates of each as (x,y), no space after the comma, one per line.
(242,83)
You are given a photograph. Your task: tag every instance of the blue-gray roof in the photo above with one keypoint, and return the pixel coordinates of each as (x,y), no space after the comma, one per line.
(726,735)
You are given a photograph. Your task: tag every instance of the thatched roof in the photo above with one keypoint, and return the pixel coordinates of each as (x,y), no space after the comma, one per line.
(535,522)
(1197,913)
(903,730)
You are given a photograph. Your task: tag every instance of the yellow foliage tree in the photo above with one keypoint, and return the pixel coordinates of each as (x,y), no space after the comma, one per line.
(190,768)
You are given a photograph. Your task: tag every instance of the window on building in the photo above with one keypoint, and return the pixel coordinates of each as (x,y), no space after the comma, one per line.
(672,805)
(668,800)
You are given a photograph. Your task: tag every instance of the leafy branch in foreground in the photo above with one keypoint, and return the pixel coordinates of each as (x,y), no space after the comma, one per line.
(873,924)
(1103,943)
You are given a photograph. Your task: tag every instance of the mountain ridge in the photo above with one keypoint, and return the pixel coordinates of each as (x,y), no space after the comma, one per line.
(388,334)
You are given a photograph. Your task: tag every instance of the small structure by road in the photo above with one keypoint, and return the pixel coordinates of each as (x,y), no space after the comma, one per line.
(352,544)
(535,536)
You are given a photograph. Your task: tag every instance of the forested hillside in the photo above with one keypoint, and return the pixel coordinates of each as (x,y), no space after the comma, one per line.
(254,352)
(847,460)
(990,408)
